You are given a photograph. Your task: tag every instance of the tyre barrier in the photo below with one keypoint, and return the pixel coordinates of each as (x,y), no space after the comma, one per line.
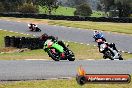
(23,42)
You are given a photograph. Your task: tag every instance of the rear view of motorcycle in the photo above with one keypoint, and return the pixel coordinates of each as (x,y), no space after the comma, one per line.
(57,52)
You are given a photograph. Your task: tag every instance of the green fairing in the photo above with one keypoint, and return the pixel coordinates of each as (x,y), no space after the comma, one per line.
(55,45)
(58,47)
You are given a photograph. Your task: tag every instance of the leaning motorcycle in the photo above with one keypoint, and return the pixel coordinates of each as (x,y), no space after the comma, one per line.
(34,29)
(109,52)
(54,51)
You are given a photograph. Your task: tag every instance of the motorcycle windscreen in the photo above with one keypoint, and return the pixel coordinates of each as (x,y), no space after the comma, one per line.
(58,47)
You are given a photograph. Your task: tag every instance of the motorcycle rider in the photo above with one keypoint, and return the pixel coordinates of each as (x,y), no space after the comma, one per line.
(32,26)
(45,36)
(98,35)
(111,45)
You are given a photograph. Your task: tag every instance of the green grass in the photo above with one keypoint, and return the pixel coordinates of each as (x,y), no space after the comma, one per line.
(104,26)
(69,11)
(59,84)
(97,14)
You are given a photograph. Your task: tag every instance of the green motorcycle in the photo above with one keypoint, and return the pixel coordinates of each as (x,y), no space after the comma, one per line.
(55,51)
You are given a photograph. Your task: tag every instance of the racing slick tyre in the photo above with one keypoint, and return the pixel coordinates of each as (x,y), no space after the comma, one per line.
(38,30)
(109,55)
(120,58)
(71,56)
(54,56)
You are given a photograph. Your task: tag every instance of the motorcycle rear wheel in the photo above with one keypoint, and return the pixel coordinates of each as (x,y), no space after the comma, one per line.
(71,56)
(120,58)
(109,55)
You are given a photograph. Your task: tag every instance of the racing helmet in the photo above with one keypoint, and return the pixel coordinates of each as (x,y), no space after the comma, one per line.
(29,25)
(44,36)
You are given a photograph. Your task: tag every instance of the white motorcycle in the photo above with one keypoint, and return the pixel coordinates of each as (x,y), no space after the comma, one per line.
(110,52)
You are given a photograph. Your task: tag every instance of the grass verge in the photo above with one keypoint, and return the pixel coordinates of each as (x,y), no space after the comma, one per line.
(60,84)
(104,26)
(81,51)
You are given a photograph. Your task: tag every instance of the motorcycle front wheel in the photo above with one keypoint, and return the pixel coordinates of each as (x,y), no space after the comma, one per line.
(54,56)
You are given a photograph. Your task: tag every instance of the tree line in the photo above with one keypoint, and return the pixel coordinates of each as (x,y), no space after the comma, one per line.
(27,6)
(82,6)
(124,7)
(32,6)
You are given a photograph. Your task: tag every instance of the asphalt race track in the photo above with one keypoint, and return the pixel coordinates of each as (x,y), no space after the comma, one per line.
(28,70)
(34,70)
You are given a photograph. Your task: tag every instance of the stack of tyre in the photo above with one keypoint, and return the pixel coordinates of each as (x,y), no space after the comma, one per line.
(23,42)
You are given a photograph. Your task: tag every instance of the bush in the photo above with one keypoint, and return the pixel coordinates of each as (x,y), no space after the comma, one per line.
(28,8)
(2,9)
(83,10)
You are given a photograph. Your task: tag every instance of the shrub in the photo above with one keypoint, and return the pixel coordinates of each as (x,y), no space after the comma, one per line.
(83,10)
(2,9)
(28,8)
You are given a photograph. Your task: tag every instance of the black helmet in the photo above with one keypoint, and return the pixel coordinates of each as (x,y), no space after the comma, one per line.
(44,36)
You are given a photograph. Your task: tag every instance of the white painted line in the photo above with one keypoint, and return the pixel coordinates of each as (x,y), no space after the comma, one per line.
(88,44)
(0,29)
(27,34)
(75,42)
(123,51)
(81,43)
(36,59)
(10,31)
(4,30)
(7,20)
(69,27)
(129,52)
(94,45)
(34,35)
(51,78)
(62,26)
(65,78)
(22,33)
(18,21)
(16,32)
(89,59)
